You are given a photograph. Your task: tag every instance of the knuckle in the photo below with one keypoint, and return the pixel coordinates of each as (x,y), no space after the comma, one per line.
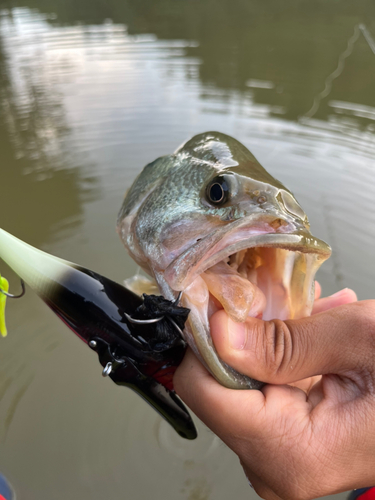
(284,491)
(368,315)
(277,347)
(263,492)
(363,322)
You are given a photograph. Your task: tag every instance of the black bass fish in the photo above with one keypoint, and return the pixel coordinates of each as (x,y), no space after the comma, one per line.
(211,222)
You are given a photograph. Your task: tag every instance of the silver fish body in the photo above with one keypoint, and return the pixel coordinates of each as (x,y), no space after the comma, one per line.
(208,220)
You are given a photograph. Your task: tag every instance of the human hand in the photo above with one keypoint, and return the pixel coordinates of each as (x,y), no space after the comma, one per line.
(304,441)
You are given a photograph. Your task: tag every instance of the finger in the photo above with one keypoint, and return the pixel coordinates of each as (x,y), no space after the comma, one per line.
(213,403)
(306,384)
(281,352)
(247,421)
(318,290)
(258,485)
(251,413)
(345,296)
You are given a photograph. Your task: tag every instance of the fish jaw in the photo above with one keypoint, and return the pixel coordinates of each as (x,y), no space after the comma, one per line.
(288,258)
(197,335)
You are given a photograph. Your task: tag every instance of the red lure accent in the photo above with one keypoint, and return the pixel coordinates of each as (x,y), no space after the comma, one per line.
(368,495)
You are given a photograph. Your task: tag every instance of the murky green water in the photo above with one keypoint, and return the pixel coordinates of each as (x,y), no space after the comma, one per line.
(89,93)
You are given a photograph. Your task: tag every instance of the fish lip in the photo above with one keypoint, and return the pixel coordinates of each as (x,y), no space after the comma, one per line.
(182,271)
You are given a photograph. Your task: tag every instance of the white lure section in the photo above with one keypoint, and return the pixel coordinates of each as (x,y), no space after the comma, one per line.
(35,267)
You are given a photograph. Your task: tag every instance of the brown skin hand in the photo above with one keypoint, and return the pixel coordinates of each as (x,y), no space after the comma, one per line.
(310,432)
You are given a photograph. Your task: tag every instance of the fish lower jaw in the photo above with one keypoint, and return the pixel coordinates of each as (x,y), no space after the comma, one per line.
(259,282)
(273,280)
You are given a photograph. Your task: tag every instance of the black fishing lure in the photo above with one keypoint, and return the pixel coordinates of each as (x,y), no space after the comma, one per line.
(137,340)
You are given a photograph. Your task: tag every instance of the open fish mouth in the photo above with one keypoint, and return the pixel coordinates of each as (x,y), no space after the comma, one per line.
(249,272)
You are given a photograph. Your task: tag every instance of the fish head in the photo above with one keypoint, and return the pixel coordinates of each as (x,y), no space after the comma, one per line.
(211,222)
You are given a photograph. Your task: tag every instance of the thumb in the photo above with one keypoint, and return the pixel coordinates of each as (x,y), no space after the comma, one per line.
(279,352)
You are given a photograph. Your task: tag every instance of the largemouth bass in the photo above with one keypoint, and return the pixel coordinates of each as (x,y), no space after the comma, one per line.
(211,222)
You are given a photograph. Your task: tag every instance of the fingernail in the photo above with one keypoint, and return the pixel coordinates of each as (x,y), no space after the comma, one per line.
(237,334)
(341,292)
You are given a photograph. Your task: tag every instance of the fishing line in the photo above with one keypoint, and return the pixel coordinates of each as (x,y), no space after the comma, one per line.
(368,37)
(340,66)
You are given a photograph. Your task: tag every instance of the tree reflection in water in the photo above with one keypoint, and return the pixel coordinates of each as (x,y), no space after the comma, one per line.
(278,52)
(40,178)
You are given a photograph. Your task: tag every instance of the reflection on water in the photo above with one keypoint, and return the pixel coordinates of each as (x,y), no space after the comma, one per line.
(36,162)
(92,91)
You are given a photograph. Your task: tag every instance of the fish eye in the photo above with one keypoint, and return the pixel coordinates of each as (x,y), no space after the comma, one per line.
(218,191)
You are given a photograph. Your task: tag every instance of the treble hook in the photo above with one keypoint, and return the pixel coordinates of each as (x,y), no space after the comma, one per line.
(178,299)
(175,325)
(11,296)
(156,320)
(142,321)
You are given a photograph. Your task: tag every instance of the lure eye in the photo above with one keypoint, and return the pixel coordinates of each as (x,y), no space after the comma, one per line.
(218,191)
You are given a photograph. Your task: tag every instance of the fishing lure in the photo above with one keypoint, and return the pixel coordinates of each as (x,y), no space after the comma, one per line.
(138,341)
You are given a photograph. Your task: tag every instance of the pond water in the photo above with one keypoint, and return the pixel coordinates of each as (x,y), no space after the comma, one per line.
(89,93)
